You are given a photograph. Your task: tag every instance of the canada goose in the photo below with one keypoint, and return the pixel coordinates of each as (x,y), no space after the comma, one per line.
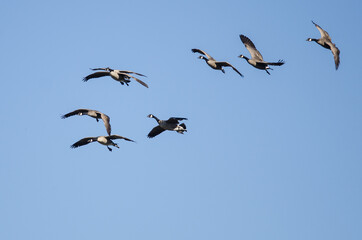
(256,58)
(213,63)
(326,42)
(104,140)
(171,124)
(94,114)
(121,76)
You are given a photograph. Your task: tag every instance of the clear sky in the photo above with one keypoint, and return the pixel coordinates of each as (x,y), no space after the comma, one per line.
(265,157)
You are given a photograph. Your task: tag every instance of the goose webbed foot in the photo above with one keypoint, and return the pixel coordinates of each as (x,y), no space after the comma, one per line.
(110,149)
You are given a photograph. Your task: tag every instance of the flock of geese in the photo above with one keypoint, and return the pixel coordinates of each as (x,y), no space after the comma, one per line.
(173,123)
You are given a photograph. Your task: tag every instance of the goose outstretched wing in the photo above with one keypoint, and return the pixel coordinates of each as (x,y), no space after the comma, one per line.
(175,120)
(279,63)
(76,112)
(323,33)
(138,80)
(255,54)
(112,137)
(95,75)
(195,50)
(130,72)
(335,52)
(226,64)
(107,124)
(155,131)
(83,141)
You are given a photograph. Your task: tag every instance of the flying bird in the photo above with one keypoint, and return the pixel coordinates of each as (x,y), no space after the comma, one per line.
(104,140)
(326,42)
(172,124)
(213,63)
(94,114)
(256,57)
(122,76)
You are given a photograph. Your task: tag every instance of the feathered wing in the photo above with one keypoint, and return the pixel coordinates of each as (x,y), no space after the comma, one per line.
(175,120)
(226,64)
(84,141)
(119,71)
(112,137)
(95,75)
(107,124)
(323,33)
(155,131)
(335,52)
(130,72)
(255,54)
(139,81)
(96,69)
(279,63)
(76,112)
(195,50)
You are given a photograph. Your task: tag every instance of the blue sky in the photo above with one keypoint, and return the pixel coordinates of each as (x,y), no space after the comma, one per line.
(265,157)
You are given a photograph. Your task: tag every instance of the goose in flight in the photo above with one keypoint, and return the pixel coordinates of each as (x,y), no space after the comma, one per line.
(172,124)
(213,63)
(104,140)
(94,114)
(256,57)
(122,76)
(326,42)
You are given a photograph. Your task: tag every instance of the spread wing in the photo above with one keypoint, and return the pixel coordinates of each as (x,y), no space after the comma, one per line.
(138,80)
(279,63)
(96,75)
(226,64)
(195,50)
(155,131)
(118,71)
(119,137)
(172,120)
(76,112)
(335,52)
(323,33)
(255,54)
(130,72)
(95,69)
(106,121)
(84,141)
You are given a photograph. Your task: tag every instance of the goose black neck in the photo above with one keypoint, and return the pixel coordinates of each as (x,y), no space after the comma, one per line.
(158,120)
(246,58)
(204,58)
